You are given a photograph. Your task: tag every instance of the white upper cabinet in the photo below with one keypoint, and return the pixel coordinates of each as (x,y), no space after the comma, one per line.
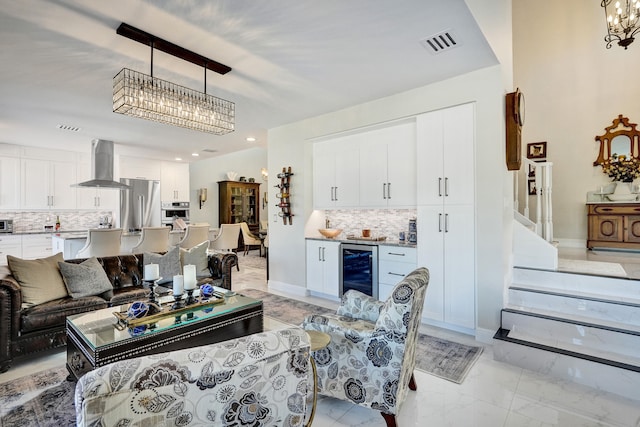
(9,183)
(140,168)
(388,167)
(335,173)
(47,184)
(446,150)
(174,182)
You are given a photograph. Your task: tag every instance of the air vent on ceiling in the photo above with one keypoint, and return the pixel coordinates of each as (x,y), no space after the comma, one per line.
(69,128)
(437,43)
(210,150)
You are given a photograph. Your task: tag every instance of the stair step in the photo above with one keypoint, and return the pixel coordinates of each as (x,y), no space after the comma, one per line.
(576,335)
(619,288)
(620,312)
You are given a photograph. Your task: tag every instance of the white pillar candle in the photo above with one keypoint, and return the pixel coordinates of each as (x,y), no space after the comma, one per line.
(178,284)
(189,277)
(151,272)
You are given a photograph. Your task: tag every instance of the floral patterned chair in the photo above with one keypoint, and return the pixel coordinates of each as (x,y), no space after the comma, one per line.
(257,380)
(371,356)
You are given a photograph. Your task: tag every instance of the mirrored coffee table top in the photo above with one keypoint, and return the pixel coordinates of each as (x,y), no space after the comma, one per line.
(99,327)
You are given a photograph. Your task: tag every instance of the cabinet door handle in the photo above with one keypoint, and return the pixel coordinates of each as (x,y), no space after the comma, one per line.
(607,209)
(396,274)
(446,187)
(319,253)
(388,190)
(439,223)
(395,253)
(446,223)
(384,190)
(323,254)
(336,193)
(439,187)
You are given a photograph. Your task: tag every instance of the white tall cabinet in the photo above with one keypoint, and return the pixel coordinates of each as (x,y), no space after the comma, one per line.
(174,182)
(323,262)
(446,221)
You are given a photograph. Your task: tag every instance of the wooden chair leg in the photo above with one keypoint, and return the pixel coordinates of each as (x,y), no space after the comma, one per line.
(390,419)
(412,383)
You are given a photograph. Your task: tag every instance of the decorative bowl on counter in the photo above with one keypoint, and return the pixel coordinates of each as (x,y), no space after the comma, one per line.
(330,233)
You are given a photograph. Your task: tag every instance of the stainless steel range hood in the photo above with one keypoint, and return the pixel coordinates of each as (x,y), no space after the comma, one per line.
(102,166)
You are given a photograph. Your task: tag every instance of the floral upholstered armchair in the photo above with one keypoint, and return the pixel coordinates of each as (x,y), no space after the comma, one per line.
(371,356)
(257,380)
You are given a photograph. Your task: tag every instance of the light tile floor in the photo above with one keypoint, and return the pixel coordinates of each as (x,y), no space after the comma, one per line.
(493,394)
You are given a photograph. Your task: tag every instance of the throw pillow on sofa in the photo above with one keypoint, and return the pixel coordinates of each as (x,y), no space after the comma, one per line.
(40,279)
(86,279)
(168,264)
(197,256)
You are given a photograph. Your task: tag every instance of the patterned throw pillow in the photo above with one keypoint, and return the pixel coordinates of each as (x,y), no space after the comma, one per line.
(168,264)
(39,279)
(197,256)
(86,279)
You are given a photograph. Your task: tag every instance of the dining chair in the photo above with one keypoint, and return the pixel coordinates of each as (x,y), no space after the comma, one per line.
(152,239)
(195,234)
(249,238)
(226,240)
(101,242)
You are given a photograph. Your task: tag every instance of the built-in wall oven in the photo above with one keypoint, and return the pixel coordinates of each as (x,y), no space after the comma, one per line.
(359,268)
(172,210)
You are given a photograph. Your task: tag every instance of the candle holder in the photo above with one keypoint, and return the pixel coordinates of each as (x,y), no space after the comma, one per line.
(152,291)
(190,298)
(177,302)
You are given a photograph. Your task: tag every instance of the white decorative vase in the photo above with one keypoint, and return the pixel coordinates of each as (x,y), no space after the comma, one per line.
(622,188)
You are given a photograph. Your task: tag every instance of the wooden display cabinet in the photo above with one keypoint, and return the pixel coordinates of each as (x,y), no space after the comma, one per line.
(239,202)
(614,225)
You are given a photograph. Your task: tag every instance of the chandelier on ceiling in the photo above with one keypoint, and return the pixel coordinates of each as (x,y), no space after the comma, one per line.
(145,96)
(622,21)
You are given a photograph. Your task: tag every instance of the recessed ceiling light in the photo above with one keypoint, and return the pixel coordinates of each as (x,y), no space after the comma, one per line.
(251,139)
(195,154)
(69,128)
(178,158)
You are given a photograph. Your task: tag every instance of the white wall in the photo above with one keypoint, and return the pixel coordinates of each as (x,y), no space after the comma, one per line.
(574,87)
(207,173)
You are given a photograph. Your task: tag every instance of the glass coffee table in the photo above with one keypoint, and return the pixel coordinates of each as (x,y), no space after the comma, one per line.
(97,338)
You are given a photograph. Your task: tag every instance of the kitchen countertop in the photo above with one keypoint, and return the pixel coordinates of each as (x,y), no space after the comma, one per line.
(387,242)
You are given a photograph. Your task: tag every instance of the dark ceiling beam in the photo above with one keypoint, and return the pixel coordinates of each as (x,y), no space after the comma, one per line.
(143,37)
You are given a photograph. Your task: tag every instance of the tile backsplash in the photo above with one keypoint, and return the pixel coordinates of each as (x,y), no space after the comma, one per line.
(25,221)
(382,222)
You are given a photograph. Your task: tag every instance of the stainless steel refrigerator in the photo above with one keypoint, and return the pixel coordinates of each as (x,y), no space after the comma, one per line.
(139,204)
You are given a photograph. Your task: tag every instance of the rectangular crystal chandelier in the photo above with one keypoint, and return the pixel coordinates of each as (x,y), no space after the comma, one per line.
(147,97)
(141,95)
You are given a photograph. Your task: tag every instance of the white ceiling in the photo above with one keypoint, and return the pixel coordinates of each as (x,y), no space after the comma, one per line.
(291,59)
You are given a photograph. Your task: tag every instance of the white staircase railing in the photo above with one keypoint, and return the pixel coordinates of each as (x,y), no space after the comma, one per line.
(542,185)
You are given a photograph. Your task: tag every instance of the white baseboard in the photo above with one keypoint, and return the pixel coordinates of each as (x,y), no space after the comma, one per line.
(287,288)
(572,243)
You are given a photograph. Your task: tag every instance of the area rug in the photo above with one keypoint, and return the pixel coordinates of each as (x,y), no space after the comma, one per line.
(41,399)
(598,268)
(437,356)
(46,398)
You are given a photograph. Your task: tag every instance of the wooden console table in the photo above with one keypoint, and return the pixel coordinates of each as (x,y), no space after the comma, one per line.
(613,225)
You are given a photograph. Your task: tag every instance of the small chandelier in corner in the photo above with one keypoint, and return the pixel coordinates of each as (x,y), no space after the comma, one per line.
(144,96)
(622,21)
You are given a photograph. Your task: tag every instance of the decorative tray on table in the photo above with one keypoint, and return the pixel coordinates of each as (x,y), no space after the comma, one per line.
(160,312)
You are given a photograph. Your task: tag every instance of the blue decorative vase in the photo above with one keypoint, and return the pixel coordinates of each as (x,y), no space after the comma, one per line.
(206,291)
(138,310)
(137,330)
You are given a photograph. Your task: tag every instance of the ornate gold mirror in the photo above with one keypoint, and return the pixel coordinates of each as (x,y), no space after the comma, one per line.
(621,138)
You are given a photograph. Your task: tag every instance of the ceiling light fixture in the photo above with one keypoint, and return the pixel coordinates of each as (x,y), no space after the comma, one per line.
(251,139)
(622,21)
(144,96)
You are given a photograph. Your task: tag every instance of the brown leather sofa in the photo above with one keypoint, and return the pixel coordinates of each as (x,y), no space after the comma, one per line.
(29,330)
